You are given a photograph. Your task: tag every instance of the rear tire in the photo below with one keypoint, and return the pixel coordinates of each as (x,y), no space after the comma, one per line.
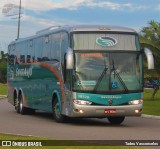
(116,120)
(22,109)
(57,113)
(17,106)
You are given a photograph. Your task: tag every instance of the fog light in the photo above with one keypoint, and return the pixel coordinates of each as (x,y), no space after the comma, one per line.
(81,111)
(138,111)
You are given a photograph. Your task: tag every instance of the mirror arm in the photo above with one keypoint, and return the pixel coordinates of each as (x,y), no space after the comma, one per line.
(64,73)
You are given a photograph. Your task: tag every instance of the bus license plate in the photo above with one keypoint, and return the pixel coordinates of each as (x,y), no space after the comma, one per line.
(110,111)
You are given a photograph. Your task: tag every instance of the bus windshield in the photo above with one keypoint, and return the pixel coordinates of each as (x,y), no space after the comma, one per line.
(107,62)
(107,72)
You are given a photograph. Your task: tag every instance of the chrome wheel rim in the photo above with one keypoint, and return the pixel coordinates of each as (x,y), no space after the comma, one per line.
(57,111)
(16,104)
(21,104)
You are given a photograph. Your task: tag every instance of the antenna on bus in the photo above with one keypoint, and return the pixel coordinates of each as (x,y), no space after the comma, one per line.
(48,29)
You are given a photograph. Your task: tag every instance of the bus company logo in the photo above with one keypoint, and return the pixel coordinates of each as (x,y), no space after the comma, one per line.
(106,41)
(26,72)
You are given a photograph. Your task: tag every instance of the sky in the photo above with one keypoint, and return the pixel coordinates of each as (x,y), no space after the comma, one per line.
(40,14)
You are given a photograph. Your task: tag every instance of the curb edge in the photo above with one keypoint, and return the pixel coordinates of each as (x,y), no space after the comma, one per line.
(150,116)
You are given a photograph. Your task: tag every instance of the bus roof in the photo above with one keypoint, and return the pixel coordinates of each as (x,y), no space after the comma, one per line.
(78,28)
(86,28)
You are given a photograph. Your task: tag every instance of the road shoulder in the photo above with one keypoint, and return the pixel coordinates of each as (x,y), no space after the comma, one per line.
(150,116)
(3,97)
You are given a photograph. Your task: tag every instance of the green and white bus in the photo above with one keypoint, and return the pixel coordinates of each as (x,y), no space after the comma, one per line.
(78,71)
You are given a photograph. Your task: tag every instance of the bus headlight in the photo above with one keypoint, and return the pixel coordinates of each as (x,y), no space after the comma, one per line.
(135,102)
(82,102)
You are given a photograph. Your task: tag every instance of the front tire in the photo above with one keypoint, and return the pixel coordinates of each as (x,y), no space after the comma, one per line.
(57,113)
(116,120)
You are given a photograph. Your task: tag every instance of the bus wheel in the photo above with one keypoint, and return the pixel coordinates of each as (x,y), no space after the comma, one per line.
(56,112)
(22,109)
(17,106)
(116,120)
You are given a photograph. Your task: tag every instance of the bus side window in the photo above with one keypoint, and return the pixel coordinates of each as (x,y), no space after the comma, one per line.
(55,46)
(64,46)
(22,58)
(52,47)
(11,54)
(67,75)
(15,60)
(11,59)
(68,79)
(28,59)
(46,54)
(33,59)
(38,49)
(39,59)
(58,36)
(29,51)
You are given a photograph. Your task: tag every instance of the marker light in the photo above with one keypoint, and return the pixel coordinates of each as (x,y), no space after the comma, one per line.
(136,102)
(78,111)
(82,102)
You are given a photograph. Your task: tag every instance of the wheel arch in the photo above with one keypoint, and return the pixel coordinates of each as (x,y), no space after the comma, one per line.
(20,92)
(56,94)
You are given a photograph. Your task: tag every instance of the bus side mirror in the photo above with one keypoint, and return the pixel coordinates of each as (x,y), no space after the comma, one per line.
(150,59)
(69,59)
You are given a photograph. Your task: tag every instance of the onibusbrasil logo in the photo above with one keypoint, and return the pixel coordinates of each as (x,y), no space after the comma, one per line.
(106,41)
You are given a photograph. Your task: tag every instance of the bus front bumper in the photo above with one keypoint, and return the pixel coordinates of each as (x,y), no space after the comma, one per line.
(105,111)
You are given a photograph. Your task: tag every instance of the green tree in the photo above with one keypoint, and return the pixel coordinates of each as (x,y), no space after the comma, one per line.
(2,55)
(150,38)
(3,68)
(3,71)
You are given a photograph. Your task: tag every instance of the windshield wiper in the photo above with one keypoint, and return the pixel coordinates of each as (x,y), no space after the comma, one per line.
(119,77)
(78,80)
(100,78)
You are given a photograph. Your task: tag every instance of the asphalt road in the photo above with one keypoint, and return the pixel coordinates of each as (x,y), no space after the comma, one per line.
(43,125)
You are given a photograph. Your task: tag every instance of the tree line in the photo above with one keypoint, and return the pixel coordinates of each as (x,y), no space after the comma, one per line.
(3,67)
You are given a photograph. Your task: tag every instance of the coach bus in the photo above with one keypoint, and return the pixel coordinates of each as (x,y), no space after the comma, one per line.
(78,71)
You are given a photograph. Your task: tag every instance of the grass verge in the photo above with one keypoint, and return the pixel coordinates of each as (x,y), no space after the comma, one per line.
(3,89)
(150,106)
